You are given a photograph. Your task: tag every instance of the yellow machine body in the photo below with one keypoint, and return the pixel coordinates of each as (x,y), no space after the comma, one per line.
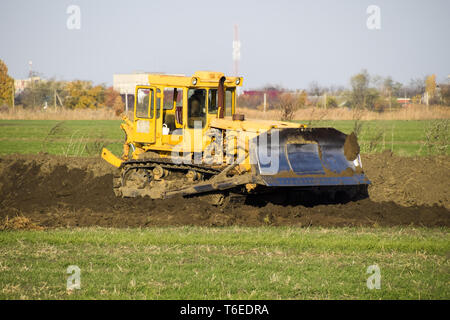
(179,120)
(147,131)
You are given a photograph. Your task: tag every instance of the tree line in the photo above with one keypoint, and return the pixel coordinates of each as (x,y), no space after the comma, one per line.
(365,91)
(70,94)
(50,93)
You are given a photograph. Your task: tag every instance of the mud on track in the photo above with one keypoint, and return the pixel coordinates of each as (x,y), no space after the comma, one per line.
(76,192)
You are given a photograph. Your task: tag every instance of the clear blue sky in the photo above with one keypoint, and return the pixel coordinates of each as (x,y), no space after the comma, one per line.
(290,43)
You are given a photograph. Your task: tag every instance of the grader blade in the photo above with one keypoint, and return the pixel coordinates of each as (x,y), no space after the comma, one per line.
(307,157)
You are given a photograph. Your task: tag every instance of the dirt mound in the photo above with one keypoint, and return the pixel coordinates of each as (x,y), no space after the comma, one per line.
(75,192)
(409,181)
(351,147)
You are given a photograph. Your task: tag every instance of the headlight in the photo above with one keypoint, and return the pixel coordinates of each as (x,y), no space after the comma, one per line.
(194,81)
(238,81)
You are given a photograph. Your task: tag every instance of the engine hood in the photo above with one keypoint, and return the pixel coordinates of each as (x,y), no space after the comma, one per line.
(252,125)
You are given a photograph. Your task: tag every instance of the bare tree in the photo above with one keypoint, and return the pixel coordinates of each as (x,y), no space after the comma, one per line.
(289,103)
(314,89)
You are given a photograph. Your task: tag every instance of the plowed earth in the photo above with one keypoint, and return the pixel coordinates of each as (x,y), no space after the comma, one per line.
(55,191)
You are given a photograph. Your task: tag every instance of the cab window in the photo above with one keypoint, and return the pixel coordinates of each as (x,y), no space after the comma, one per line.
(173,97)
(196,107)
(213,99)
(144,101)
(158,103)
(229,102)
(173,108)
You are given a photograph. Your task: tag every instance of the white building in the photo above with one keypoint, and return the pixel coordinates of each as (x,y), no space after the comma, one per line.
(126,83)
(21,84)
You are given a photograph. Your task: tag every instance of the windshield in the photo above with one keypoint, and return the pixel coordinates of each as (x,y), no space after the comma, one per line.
(213,101)
(196,107)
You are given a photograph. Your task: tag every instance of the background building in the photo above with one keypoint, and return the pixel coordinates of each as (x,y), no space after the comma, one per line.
(125,84)
(20,84)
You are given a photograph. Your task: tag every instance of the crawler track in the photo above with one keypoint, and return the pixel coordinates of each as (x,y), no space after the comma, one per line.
(147,165)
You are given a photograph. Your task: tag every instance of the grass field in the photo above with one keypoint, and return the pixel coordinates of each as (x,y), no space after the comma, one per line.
(71,137)
(86,137)
(403,137)
(220,263)
(226,263)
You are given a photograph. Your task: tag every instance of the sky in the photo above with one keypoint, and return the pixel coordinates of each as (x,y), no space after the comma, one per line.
(286,43)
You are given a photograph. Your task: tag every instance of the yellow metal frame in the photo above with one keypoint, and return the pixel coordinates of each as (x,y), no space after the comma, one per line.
(202,79)
(165,144)
(150,136)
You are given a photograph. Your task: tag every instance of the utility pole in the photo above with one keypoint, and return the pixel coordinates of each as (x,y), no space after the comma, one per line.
(390,101)
(59,99)
(236,51)
(265,101)
(30,74)
(13,96)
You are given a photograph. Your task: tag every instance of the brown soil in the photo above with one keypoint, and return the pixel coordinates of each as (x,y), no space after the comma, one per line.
(19,223)
(411,181)
(77,192)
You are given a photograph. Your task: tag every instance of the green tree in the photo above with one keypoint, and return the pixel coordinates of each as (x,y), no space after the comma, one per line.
(445,93)
(430,85)
(331,102)
(360,89)
(6,86)
(42,92)
(391,90)
(362,96)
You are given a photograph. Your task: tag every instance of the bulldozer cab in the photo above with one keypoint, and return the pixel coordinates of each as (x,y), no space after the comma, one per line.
(203,105)
(172,107)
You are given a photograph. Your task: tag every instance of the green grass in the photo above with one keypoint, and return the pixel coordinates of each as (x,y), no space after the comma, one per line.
(226,263)
(403,137)
(86,137)
(71,138)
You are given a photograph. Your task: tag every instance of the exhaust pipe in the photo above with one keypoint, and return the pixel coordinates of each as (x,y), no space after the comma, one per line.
(221,97)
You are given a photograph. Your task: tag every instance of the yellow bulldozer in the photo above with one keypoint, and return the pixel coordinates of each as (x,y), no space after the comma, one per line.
(186,138)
